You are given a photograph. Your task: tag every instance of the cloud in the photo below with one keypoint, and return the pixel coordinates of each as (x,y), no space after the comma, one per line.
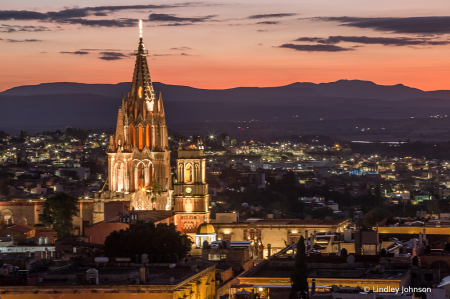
(103,23)
(4,28)
(267,23)
(181,48)
(386,41)
(78,15)
(76,53)
(23,40)
(21,15)
(411,25)
(274,15)
(315,48)
(100,50)
(80,12)
(177,24)
(112,55)
(162,17)
(172,54)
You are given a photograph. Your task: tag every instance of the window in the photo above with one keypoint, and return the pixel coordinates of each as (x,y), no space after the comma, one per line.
(214,257)
(188,173)
(148,139)
(132,135)
(141,138)
(140,174)
(223,256)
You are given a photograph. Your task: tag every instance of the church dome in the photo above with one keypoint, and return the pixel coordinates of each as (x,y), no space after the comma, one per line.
(205,229)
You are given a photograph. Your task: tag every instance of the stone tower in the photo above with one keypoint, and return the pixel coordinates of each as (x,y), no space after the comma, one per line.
(191,198)
(138,154)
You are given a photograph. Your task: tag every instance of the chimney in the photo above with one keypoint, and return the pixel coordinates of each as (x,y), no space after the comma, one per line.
(269,250)
(313,287)
(143,274)
(424,236)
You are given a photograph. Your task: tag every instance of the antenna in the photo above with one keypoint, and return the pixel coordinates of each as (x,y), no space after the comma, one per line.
(140,28)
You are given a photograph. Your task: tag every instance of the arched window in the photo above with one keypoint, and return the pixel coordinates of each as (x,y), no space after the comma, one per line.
(141,138)
(141,177)
(132,135)
(189,173)
(150,172)
(148,136)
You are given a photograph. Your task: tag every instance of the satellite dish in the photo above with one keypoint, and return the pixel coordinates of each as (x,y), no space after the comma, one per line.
(335,288)
(171,266)
(350,259)
(172,280)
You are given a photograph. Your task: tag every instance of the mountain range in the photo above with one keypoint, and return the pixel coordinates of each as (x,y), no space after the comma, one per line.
(57,105)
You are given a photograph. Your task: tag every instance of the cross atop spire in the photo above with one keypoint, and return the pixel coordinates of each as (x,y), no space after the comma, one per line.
(141,50)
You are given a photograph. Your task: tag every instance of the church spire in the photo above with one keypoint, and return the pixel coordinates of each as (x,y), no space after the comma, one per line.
(142,94)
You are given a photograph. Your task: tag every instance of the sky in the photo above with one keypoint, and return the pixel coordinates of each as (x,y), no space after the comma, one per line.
(223,44)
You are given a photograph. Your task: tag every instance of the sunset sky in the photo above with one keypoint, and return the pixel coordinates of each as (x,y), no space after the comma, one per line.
(224,44)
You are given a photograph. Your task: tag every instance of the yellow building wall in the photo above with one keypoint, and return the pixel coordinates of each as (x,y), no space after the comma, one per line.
(83,295)
(200,287)
(414,230)
(371,283)
(275,237)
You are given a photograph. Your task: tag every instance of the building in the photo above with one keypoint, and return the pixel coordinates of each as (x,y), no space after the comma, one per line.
(116,280)
(97,232)
(272,277)
(138,154)
(191,198)
(276,232)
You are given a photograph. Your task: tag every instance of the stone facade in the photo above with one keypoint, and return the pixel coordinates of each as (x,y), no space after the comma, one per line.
(138,154)
(191,198)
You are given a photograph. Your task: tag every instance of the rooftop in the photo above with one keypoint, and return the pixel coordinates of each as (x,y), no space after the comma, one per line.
(277,269)
(143,215)
(289,222)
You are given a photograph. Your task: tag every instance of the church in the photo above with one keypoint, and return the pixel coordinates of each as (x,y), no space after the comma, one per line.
(139,171)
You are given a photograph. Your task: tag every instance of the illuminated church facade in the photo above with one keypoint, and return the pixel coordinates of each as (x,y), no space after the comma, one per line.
(138,154)
(139,170)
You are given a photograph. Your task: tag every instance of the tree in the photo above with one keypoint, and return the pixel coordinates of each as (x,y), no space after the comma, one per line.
(447,247)
(376,215)
(144,237)
(156,188)
(322,213)
(299,279)
(433,207)
(58,212)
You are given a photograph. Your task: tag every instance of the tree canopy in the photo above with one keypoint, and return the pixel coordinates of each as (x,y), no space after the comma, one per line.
(376,215)
(145,237)
(58,212)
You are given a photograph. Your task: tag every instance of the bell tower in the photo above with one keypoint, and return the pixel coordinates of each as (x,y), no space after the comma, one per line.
(191,198)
